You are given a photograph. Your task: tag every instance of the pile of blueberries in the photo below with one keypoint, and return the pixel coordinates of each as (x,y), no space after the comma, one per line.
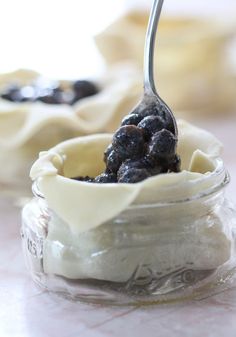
(144,146)
(50,94)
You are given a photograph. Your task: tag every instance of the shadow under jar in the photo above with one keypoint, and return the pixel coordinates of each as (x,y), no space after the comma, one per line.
(174,250)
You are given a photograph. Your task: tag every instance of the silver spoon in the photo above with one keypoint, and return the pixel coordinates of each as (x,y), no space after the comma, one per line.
(151,99)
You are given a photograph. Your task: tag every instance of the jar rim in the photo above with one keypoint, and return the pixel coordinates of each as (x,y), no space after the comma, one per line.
(220,179)
(198,196)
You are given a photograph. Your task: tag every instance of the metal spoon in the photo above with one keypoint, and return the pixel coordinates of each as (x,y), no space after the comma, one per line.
(151,99)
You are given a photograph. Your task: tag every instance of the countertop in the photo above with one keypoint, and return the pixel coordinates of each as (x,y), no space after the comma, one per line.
(26,310)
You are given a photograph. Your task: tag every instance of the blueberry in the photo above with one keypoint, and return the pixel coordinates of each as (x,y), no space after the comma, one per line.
(85,179)
(164,113)
(147,109)
(12,94)
(151,125)
(132,119)
(128,142)
(130,164)
(84,89)
(134,175)
(108,150)
(162,145)
(154,165)
(155,108)
(106,178)
(51,96)
(175,164)
(113,162)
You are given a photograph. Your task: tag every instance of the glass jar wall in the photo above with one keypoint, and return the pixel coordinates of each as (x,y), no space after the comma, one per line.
(174,250)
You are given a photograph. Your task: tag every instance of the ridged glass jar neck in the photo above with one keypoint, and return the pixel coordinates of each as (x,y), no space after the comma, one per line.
(190,204)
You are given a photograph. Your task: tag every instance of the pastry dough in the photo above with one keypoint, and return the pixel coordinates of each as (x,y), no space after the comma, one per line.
(81,242)
(191,64)
(87,205)
(27,128)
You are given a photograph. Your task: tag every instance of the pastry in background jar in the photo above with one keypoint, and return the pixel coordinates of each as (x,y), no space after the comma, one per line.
(37,113)
(191,66)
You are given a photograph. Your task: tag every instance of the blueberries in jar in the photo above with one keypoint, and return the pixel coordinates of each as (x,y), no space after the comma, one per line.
(128,142)
(113,161)
(106,178)
(85,179)
(175,164)
(107,152)
(155,165)
(130,164)
(134,175)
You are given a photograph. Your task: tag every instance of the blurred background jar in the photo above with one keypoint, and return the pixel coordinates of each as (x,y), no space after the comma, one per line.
(195,67)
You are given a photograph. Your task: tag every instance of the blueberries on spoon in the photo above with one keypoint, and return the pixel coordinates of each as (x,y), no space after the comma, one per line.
(155,108)
(132,119)
(151,125)
(163,144)
(128,142)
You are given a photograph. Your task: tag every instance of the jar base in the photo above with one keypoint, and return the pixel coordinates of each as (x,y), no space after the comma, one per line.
(123,294)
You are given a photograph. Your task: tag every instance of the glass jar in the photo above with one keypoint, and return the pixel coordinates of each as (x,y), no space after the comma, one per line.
(175,250)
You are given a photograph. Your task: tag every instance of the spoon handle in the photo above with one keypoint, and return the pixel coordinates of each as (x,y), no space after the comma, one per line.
(149,82)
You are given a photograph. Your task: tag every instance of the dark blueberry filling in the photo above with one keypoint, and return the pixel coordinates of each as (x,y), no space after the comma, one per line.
(162,145)
(50,94)
(13,94)
(132,119)
(85,179)
(106,178)
(113,162)
(150,125)
(134,175)
(84,89)
(143,146)
(128,142)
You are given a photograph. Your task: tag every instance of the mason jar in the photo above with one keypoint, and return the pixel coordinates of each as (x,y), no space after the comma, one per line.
(149,253)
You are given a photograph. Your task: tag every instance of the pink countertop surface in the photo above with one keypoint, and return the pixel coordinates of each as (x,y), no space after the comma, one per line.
(28,311)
